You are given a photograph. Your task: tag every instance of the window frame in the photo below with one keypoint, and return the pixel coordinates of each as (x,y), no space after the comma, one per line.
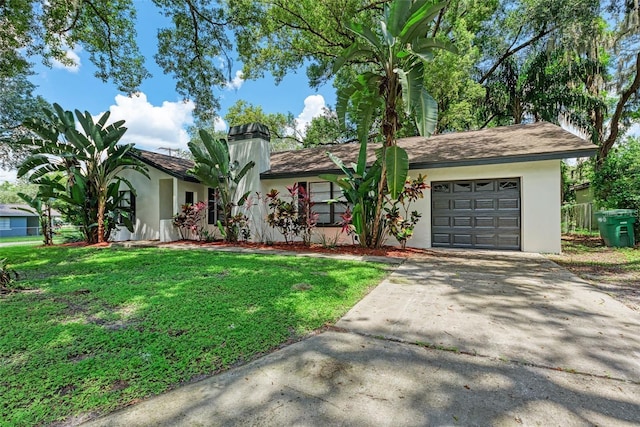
(216,214)
(335,193)
(131,206)
(189,195)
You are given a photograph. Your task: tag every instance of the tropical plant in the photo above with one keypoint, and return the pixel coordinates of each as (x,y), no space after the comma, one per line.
(294,218)
(189,220)
(401,220)
(359,186)
(214,168)
(92,161)
(40,206)
(394,87)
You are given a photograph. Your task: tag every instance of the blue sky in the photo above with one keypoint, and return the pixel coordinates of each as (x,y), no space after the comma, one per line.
(158,116)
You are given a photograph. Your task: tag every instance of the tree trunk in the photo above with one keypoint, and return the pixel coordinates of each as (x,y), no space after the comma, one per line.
(101,206)
(48,228)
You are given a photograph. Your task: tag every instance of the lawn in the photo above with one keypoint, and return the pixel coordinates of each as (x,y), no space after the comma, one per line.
(614,270)
(99,328)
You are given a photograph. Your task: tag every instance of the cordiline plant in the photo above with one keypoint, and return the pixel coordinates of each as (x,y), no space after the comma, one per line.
(294,218)
(401,220)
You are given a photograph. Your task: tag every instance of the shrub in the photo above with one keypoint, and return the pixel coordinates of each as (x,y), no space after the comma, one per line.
(294,218)
(189,220)
(7,276)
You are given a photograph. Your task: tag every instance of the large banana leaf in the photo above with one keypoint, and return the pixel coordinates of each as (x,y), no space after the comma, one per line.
(397,169)
(396,14)
(417,24)
(426,114)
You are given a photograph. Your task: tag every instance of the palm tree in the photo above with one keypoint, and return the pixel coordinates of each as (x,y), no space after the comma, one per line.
(394,52)
(91,159)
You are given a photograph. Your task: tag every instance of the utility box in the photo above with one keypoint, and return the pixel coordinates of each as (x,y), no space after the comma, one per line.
(616,227)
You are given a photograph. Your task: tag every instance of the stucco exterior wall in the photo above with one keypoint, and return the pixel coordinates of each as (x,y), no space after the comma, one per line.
(158,199)
(540,201)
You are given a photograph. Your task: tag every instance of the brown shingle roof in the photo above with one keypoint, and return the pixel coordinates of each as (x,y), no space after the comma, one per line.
(174,166)
(517,143)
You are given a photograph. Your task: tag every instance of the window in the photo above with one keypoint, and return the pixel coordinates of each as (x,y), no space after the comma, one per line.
(188,198)
(5,224)
(127,204)
(328,213)
(214,210)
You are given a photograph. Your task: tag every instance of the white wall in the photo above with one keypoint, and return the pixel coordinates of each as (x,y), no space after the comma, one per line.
(157,198)
(540,201)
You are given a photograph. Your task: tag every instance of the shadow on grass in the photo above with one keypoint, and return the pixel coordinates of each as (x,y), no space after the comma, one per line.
(110,326)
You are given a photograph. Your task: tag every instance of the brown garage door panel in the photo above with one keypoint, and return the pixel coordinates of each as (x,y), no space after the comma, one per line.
(476,214)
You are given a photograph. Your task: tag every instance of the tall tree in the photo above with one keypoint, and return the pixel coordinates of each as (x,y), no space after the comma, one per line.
(393,86)
(190,47)
(91,159)
(17,102)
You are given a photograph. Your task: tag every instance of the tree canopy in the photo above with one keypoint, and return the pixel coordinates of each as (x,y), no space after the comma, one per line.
(568,61)
(190,48)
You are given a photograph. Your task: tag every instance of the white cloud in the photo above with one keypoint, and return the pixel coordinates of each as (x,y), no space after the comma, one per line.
(71,54)
(236,82)
(151,127)
(634,130)
(219,124)
(8,175)
(313,107)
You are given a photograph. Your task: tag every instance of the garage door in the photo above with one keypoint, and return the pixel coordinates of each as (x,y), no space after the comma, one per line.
(482,214)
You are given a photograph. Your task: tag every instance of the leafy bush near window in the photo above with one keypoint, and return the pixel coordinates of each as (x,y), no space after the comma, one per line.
(294,218)
(189,221)
(400,220)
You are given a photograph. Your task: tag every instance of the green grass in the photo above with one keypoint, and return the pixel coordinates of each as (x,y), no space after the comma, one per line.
(633,258)
(99,328)
(12,239)
(59,237)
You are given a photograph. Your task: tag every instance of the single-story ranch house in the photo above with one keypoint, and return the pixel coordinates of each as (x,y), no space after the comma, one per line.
(495,188)
(16,222)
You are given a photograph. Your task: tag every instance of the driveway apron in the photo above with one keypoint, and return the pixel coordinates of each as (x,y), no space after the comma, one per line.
(512,306)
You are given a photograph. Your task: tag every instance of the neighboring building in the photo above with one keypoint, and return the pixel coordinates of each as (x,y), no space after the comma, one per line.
(16,222)
(496,188)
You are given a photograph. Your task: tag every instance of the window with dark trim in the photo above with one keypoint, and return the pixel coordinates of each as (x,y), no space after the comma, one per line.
(329,214)
(127,202)
(188,198)
(214,210)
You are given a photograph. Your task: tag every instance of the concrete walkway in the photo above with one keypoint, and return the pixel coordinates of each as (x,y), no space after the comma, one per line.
(505,339)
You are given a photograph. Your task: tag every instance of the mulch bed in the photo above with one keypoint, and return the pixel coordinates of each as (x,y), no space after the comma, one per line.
(385,251)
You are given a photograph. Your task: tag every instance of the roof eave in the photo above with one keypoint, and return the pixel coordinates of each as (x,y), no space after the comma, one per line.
(174,174)
(587,152)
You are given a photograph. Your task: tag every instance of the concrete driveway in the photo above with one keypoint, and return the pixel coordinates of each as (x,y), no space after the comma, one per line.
(458,338)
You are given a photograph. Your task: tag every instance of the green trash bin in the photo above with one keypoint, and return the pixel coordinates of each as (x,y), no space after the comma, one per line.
(616,227)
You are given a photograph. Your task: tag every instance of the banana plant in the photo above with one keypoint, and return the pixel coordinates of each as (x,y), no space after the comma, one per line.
(395,51)
(214,168)
(91,158)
